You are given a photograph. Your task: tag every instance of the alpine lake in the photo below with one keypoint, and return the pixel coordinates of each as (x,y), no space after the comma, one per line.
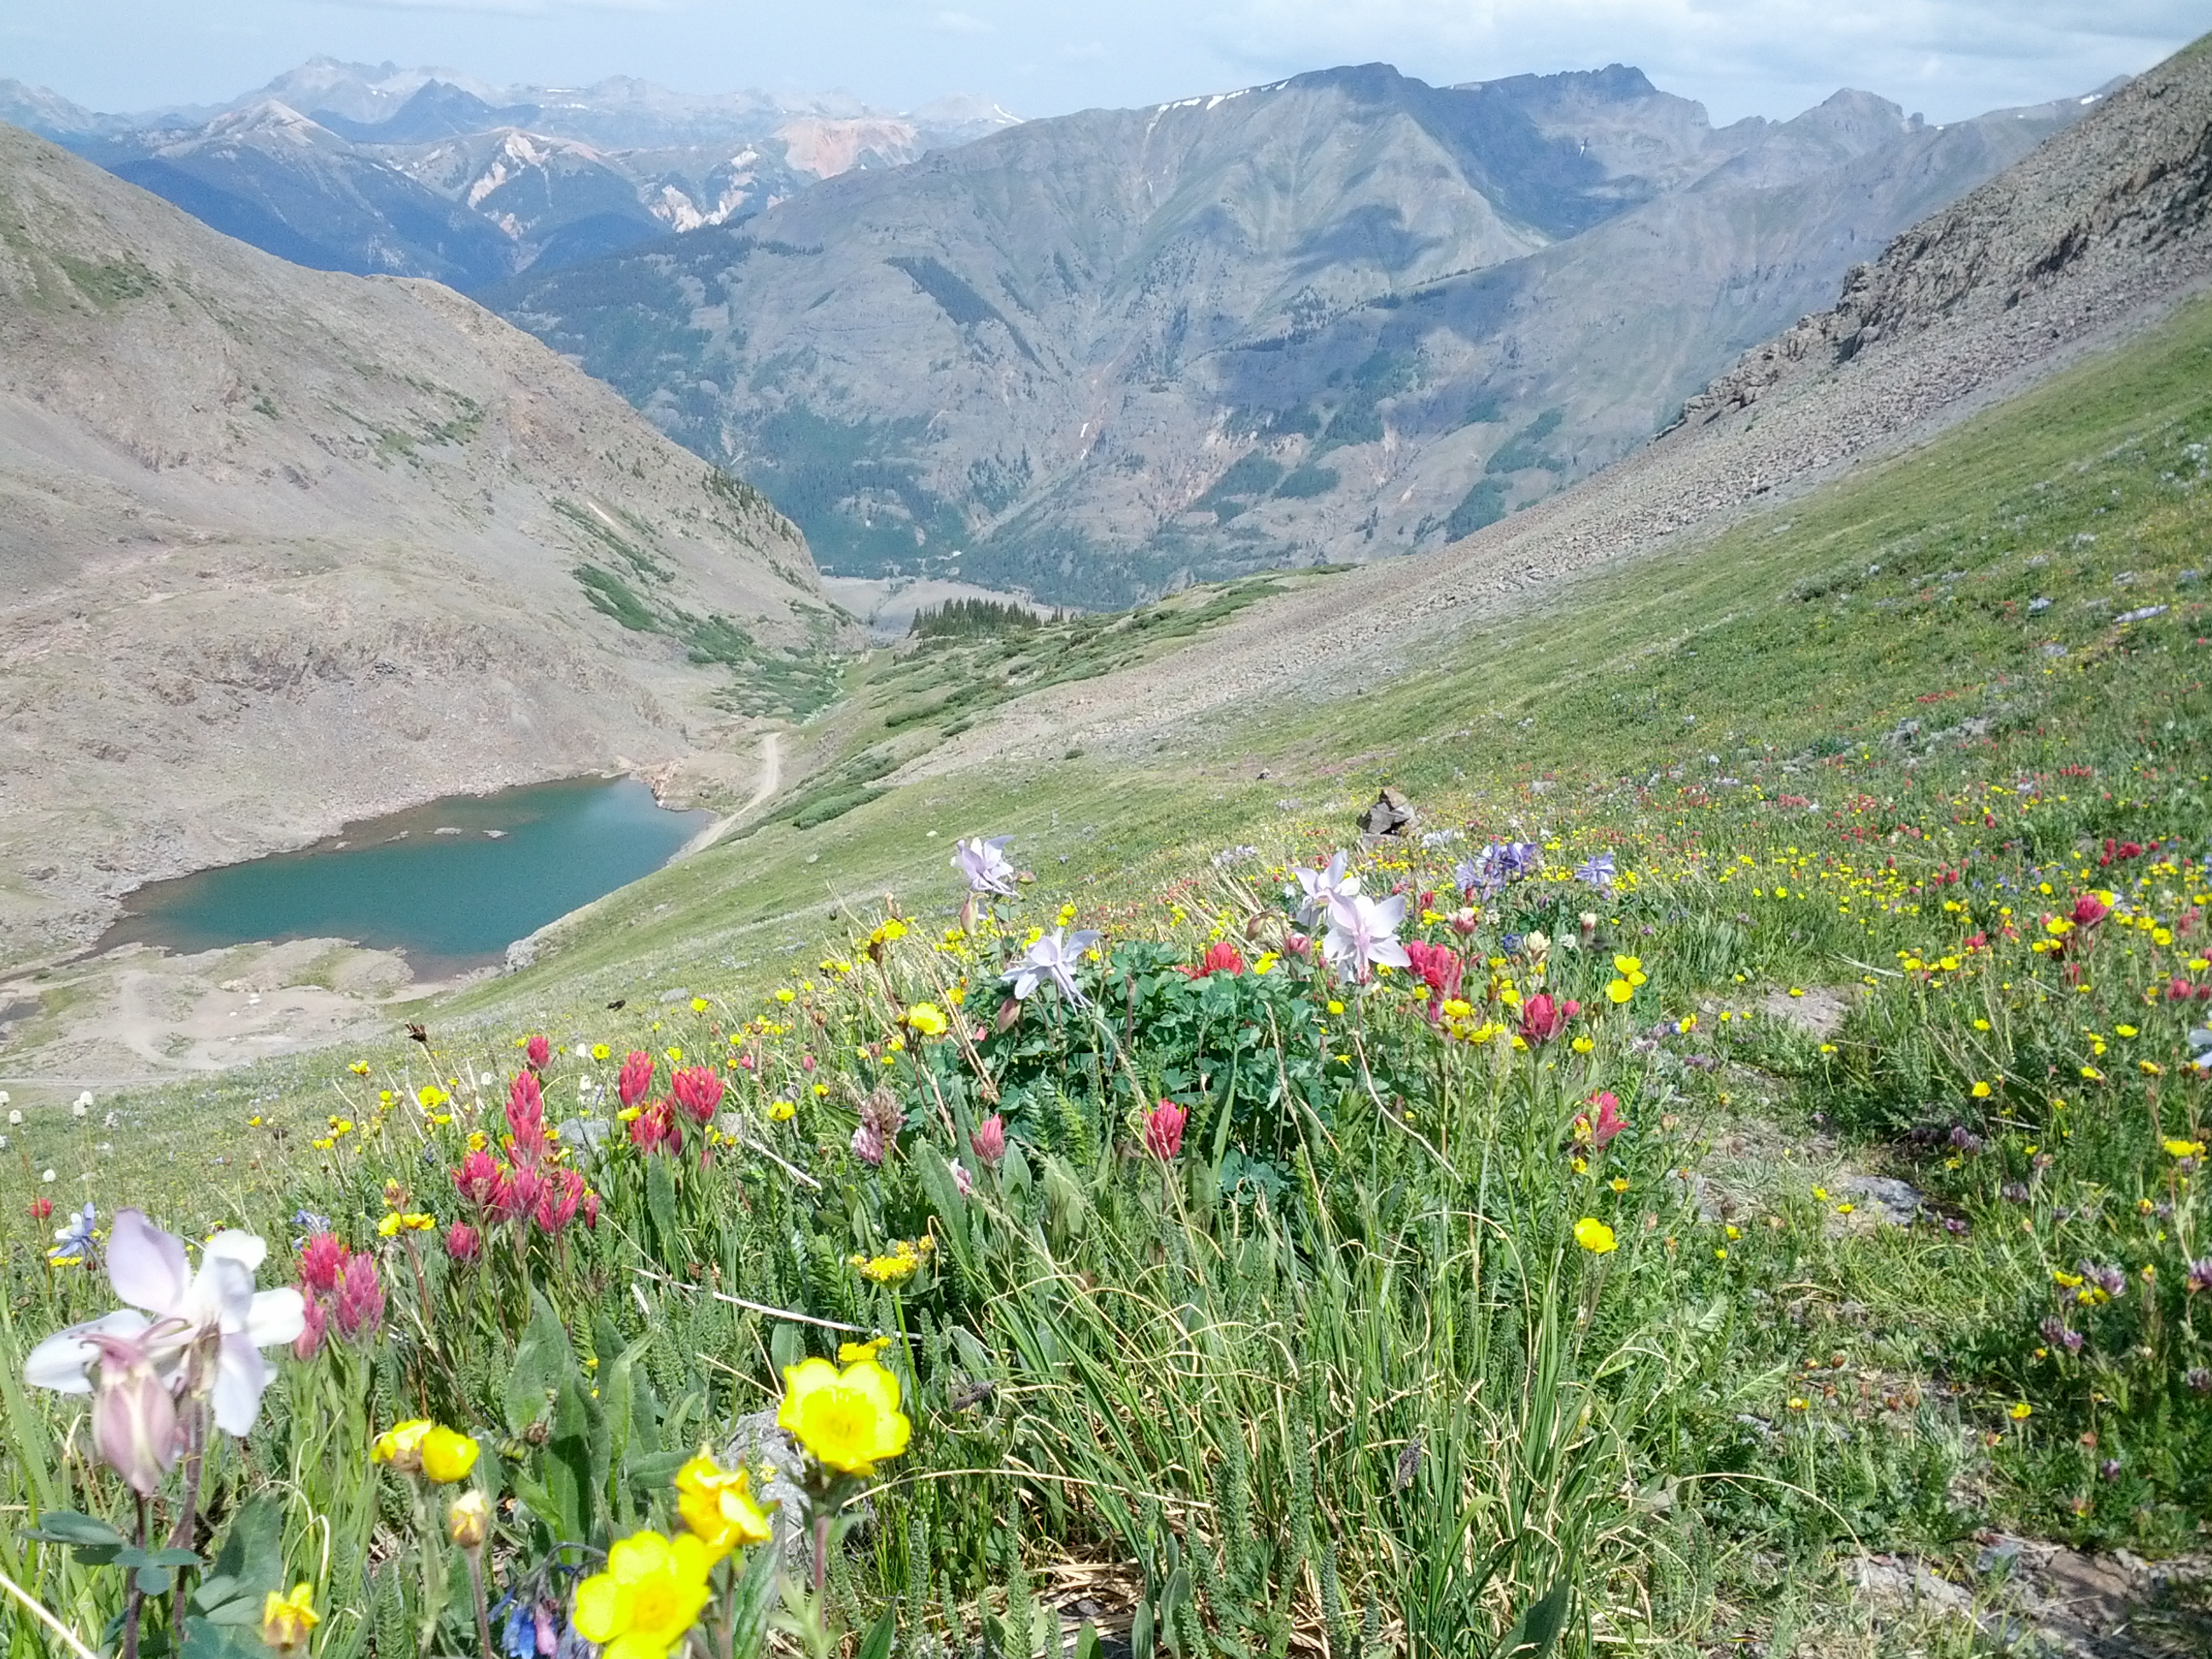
(450,884)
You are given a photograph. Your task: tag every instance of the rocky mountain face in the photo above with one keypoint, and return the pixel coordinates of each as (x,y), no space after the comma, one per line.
(280,549)
(380,171)
(2093,237)
(1340,317)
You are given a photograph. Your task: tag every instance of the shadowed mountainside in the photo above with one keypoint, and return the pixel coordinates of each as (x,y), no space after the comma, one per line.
(1340,317)
(2094,236)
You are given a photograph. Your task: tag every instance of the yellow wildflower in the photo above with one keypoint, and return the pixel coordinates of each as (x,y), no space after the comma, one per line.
(717,1504)
(286,1621)
(847,1419)
(447,1455)
(401,1445)
(649,1598)
(1594,1236)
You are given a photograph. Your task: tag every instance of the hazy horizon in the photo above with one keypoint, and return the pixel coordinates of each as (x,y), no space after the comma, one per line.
(1945,58)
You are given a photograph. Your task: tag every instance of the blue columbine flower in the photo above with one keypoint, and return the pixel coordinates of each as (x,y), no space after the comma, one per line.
(74,1242)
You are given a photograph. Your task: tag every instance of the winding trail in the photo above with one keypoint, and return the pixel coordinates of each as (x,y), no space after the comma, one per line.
(771,780)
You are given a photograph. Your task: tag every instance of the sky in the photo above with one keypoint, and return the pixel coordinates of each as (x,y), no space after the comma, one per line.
(1946,58)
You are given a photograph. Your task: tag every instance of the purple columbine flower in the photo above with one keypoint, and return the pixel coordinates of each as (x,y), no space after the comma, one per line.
(1363,932)
(1596,873)
(74,1242)
(1322,886)
(985,865)
(1055,957)
(171,1309)
(1499,862)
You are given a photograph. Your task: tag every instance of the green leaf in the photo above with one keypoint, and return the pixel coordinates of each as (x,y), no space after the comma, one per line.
(1087,1645)
(155,1580)
(1537,1629)
(661,1203)
(131,1558)
(250,1565)
(1172,1597)
(651,1470)
(572,1463)
(786,1346)
(749,1604)
(205,1639)
(78,1531)
(945,1198)
(542,1361)
(1140,1632)
(878,1645)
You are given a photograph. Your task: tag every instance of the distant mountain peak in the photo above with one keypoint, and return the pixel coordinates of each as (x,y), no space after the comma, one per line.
(1620,83)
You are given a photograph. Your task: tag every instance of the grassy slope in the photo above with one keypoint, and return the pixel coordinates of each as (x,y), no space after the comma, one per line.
(1771,642)
(1768,645)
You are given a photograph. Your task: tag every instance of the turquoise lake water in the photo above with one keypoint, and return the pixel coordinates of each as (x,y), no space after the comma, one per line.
(451,883)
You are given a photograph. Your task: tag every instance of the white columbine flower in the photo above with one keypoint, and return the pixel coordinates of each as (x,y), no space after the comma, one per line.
(1322,886)
(172,1311)
(985,865)
(1055,957)
(1363,932)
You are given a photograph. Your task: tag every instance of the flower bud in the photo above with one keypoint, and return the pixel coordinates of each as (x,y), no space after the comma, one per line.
(134,1417)
(469,1519)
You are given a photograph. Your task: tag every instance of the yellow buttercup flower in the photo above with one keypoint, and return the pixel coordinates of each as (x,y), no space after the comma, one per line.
(1595,1237)
(850,1353)
(718,1505)
(401,1445)
(447,1455)
(849,1420)
(928,1019)
(649,1598)
(288,1620)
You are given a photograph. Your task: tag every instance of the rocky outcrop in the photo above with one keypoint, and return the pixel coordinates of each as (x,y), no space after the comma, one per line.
(2118,206)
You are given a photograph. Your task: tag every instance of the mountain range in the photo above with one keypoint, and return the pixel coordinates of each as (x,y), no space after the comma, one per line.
(1341,316)
(282,549)
(420,172)
(2097,236)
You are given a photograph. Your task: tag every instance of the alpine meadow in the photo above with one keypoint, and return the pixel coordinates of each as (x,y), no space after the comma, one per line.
(1456,903)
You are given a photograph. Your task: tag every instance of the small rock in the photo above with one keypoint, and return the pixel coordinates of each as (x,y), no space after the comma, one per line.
(1890,1202)
(1392,814)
